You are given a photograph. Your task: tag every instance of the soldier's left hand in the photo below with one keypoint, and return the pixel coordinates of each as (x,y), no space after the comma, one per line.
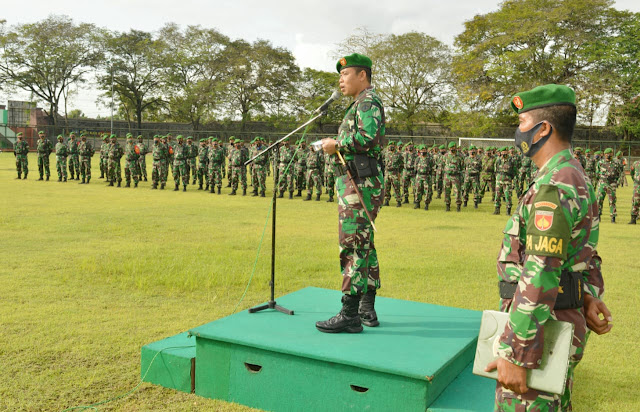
(510,376)
(329,145)
(593,308)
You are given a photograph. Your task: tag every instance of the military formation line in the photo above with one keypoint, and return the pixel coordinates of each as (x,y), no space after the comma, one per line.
(416,173)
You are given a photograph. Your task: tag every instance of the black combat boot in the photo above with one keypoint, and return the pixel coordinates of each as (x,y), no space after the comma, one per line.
(218,190)
(426,206)
(347,320)
(59,178)
(479,200)
(416,205)
(290,195)
(330,200)
(206,187)
(497,210)
(119,183)
(161,186)
(101,176)
(41,178)
(448,208)
(128,184)
(261,194)
(154,186)
(19,176)
(406,199)
(25,176)
(508,210)
(439,196)
(200,186)
(299,194)
(244,191)
(386,202)
(254,193)
(194,182)
(111,183)
(229,185)
(367,310)
(465,203)
(176,188)
(613,219)
(82,182)
(281,195)
(135,184)
(318,197)
(184,188)
(47,178)
(65,179)
(88,179)
(633,220)
(457,208)
(145,178)
(308,197)
(399,204)
(475,205)
(212,189)
(233,192)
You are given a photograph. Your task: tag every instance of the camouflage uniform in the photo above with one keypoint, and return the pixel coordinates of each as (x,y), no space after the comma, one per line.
(21,151)
(361,131)
(608,175)
(203,152)
(472,168)
(408,172)
(191,162)
(554,230)
(115,154)
(61,160)
(505,170)
(516,180)
(243,169)
(300,168)
(453,165)
(142,160)
(85,149)
(104,157)
(131,163)
(285,174)
(216,166)
(392,169)
(439,180)
(170,156)
(44,149)
(160,153)
(635,201)
(422,186)
(329,175)
(74,159)
(238,157)
(259,168)
(590,168)
(314,163)
(487,176)
(179,165)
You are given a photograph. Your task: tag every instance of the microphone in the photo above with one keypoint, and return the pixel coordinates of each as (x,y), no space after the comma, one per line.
(335,96)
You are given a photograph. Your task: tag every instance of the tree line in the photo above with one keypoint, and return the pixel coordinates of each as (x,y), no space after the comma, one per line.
(199,75)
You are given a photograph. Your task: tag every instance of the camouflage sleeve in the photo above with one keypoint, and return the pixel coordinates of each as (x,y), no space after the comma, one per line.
(548,233)
(362,137)
(593,281)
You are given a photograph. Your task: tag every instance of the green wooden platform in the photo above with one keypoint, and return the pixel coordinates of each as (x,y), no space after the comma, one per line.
(417,359)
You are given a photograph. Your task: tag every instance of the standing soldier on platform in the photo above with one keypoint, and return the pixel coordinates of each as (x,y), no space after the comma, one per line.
(392,170)
(85,149)
(21,151)
(260,166)
(61,159)
(453,166)
(179,164)
(314,162)
(329,175)
(115,154)
(422,186)
(131,157)
(216,164)
(142,160)
(300,168)
(44,149)
(472,169)
(548,244)
(159,154)
(408,171)
(104,155)
(635,200)
(74,159)
(608,177)
(505,170)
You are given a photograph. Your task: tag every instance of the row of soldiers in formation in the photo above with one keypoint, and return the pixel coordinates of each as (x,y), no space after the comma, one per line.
(468,172)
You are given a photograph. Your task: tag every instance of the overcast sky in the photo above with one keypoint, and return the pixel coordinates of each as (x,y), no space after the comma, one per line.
(310,29)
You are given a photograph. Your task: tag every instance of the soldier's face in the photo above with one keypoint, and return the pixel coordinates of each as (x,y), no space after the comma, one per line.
(351,83)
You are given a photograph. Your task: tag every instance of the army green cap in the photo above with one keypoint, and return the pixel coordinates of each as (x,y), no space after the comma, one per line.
(20,134)
(598,152)
(353,60)
(452,145)
(179,137)
(619,153)
(543,96)
(105,137)
(577,149)
(156,136)
(472,147)
(203,140)
(239,141)
(60,137)
(113,136)
(391,143)
(72,134)
(232,138)
(441,147)
(129,137)
(189,137)
(140,136)
(40,132)
(588,151)
(608,150)
(399,144)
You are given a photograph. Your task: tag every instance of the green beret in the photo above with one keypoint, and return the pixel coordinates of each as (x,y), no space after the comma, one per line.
(599,152)
(619,153)
(105,137)
(60,136)
(577,149)
(72,134)
(179,137)
(504,149)
(608,150)
(441,147)
(155,136)
(40,132)
(472,147)
(239,141)
(399,144)
(130,137)
(353,60)
(543,96)
(19,134)
(452,145)
(189,137)
(129,134)
(113,136)
(588,151)
(140,136)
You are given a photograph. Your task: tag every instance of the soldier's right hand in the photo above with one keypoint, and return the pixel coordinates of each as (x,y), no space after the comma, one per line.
(593,308)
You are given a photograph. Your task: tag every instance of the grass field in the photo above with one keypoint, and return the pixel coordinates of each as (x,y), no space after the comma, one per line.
(91,273)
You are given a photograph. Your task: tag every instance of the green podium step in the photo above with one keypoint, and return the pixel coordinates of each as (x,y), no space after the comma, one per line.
(170,363)
(467,393)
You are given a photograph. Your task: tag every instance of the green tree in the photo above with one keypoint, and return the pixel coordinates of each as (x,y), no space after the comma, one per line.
(314,88)
(134,68)
(47,57)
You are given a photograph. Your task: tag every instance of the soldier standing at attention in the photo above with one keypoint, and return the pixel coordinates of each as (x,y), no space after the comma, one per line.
(608,175)
(104,155)
(550,242)
(622,164)
(170,144)
(74,159)
(300,168)
(505,169)
(44,149)
(408,171)
(329,176)
(314,162)
(472,168)
(453,166)
(191,162)
(179,164)
(61,159)
(260,166)
(440,169)
(360,134)
(216,164)
(423,168)
(237,166)
(85,149)
(142,160)
(131,162)
(285,174)
(228,152)
(115,154)
(590,166)
(635,200)
(158,169)
(21,151)
(486,176)
(392,170)
(203,152)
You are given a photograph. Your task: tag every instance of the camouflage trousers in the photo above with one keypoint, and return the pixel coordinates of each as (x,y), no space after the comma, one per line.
(43,165)
(408,178)
(114,172)
(203,174)
(422,187)
(392,179)
(180,170)
(254,175)
(131,171)
(635,200)
(85,167)
(260,178)
(229,173)
(358,256)
(300,171)
(533,400)
(313,179)
(104,166)
(286,180)
(472,185)
(192,169)
(329,180)
(503,189)
(215,174)
(61,167)
(237,177)
(452,183)
(74,165)
(159,172)
(604,189)
(22,164)
(439,182)
(167,163)
(142,166)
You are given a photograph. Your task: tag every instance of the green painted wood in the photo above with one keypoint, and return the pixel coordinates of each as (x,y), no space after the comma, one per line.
(467,393)
(168,362)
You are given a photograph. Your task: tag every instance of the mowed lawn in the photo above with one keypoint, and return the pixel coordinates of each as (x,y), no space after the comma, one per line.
(91,273)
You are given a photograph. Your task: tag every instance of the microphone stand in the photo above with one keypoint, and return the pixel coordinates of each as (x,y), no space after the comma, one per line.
(272,303)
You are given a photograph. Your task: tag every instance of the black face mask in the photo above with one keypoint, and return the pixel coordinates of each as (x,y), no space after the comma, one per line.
(524,140)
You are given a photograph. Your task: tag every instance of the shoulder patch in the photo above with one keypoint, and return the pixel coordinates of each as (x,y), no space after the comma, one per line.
(548,232)
(364,107)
